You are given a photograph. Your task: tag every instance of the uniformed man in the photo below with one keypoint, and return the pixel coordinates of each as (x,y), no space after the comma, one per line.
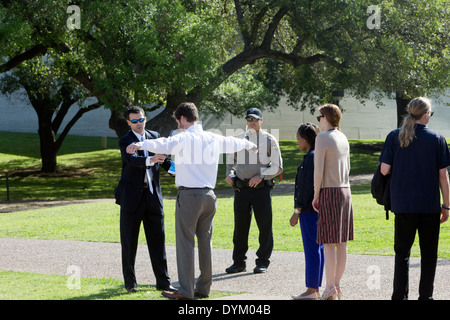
(252,178)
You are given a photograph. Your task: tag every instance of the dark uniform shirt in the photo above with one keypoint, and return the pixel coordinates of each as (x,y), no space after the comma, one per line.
(415,170)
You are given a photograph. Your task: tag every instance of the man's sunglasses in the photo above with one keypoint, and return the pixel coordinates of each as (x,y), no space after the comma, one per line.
(251,119)
(137,120)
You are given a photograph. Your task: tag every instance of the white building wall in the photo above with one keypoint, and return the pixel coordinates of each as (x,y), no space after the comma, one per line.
(359,121)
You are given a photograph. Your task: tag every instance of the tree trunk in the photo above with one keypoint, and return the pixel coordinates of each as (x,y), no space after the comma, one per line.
(402,102)
(48,147)
(118,123)
(163,123)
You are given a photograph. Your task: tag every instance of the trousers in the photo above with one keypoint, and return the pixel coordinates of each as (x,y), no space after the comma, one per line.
(314,256)
(194,214)
(260,201)
(428,226)
(151,214)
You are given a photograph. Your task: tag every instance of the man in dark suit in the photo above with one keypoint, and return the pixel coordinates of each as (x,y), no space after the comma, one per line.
(140,198)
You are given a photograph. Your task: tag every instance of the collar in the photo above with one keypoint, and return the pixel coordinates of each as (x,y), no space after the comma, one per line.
(138,135)
(309,152)
(254,133)
(195,127)
(420,126)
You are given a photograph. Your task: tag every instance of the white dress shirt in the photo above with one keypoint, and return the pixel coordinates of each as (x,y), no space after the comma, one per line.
(197,154)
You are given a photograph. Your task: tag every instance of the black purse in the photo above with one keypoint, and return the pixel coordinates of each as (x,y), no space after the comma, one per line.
(381,190)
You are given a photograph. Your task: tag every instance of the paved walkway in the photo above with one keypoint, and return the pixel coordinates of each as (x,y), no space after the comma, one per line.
(366,277)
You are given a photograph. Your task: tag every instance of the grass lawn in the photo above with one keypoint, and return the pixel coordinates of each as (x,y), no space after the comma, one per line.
(34,286)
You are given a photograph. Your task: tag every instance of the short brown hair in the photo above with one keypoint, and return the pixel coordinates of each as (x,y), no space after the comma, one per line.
(332,113)
(188,110)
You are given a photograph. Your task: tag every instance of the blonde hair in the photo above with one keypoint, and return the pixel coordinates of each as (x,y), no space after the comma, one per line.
(416,108)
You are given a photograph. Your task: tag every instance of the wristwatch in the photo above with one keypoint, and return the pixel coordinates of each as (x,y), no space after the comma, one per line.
(445,207)
(296,211)
(261,176)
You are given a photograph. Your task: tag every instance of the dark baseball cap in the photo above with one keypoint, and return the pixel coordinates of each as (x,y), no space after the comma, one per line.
(254,112)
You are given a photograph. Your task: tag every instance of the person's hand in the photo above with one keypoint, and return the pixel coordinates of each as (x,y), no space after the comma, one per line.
(132,148)
(294,219)
(229,179)
(254,181)
(444,215)
(158,158)
(315,204)
(253,148)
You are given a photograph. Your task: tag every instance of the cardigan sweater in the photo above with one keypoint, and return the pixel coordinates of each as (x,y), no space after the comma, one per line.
(331,161)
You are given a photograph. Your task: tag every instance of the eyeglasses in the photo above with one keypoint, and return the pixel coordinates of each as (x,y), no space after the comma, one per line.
(321,116)
(251,119)
(431,113)
(136,120)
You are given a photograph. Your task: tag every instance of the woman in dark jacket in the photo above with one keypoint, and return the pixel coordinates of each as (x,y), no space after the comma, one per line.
(304,194)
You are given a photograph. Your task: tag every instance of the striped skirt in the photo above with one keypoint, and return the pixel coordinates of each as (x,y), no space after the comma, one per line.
(335,223)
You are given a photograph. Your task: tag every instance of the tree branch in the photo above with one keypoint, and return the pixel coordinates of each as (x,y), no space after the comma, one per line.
(34,51)
(74,120)
(268,37)
(257,22)
(240,20)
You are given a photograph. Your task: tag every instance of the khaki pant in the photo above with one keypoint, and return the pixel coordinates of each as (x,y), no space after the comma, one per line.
(194,214)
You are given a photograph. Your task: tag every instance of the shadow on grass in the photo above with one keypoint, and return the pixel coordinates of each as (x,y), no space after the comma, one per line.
(144,292)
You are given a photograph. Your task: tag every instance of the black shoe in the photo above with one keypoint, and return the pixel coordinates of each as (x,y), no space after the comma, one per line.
(168,288)
(199,295)
(132,289)
(260,269)
(235,268)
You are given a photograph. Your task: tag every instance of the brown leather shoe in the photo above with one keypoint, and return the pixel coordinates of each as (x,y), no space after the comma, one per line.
(174,295)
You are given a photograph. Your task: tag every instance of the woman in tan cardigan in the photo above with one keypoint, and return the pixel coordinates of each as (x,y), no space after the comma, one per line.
(332,197)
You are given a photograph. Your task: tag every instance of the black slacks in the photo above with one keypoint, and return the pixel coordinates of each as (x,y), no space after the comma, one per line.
(150,212)
(260,200)
(406,225)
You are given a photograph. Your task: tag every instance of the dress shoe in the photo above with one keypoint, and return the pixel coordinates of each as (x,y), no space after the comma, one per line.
(132,289)
(200,295)
(304,296)
(329,294)
(166,288)
(260,269)
(174,295)
(235,268)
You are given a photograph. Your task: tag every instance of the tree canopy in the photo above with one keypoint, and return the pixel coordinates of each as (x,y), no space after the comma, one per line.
(226,55)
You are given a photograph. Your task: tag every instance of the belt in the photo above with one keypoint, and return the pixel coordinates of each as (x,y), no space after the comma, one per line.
(199,188)
(243,184)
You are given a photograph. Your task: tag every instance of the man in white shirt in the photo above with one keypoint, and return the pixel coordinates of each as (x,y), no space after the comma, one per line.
(196,162)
